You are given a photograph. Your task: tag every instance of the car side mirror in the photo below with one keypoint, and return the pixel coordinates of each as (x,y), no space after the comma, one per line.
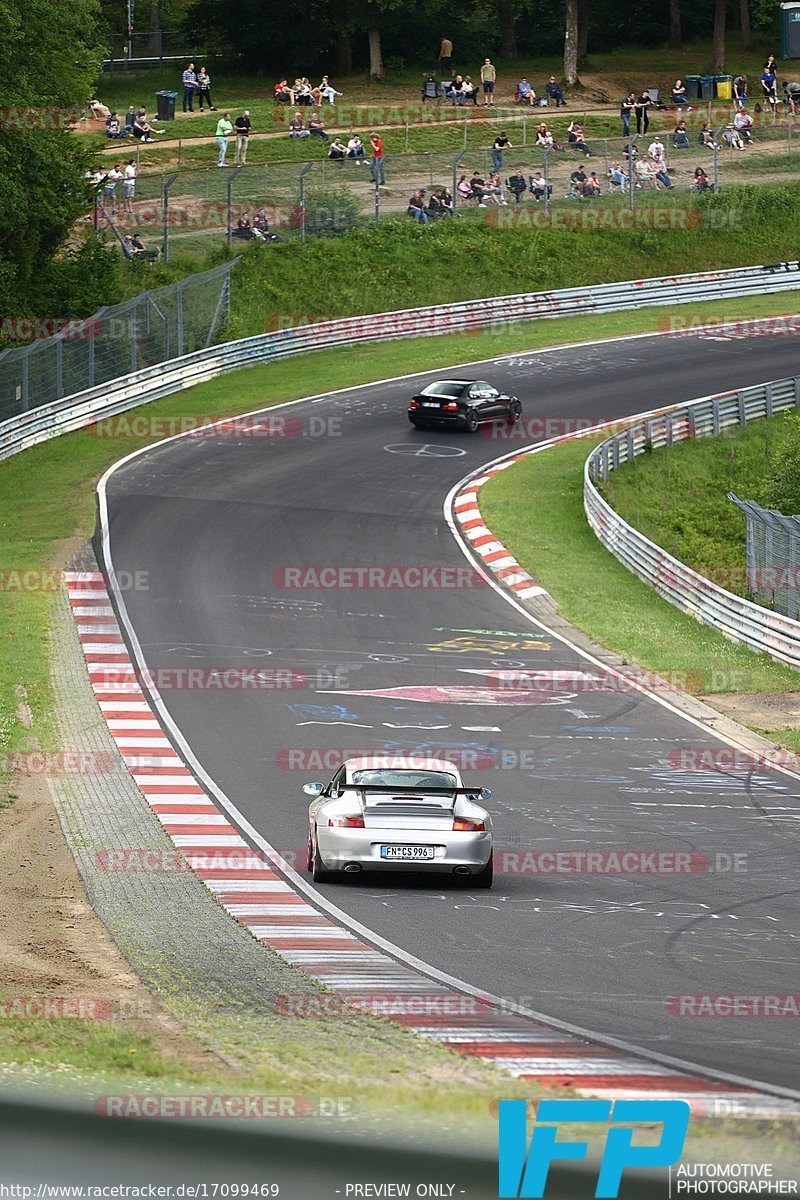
(486,793)
(313,789)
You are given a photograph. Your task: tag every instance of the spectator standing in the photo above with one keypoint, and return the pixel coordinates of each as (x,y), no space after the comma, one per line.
(224,130)
(189,85)
(129,186)
(791,93)
(204,90)
(488,80)
(446,57)
(769,86)
(740,90)
(316,127)
(242,127)
(376,164)
(642,105)
(501,143)
(626,109)
(110,187)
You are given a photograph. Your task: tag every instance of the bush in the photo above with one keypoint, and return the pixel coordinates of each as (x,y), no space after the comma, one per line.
(331,211)
(782,483)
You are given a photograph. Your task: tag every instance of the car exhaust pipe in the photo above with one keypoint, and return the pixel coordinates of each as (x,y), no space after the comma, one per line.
(352,868)
(461,871)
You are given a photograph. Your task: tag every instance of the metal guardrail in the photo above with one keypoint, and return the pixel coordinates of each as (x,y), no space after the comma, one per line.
(141,387)
(738,618)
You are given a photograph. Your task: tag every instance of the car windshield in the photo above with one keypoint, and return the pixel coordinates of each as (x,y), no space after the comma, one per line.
(446,387)
(405,779)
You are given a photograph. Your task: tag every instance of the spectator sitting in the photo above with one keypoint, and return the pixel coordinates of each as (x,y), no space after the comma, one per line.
(701,181)
(457,91)
(114,128)
(525,93)
(302,92)
(477,186)
(643,173)
(743,122)
(355,149)
(143,129)
(494,190)
(732,138)
(679,97)
(464,189)
(430,88)
(544,137)
(540,187)
(554,93)
(706,136)
(576,183)
(243,228)
(576,139)
(135,248)
(470,91)
(327,91)
(617,177)
(680,136)
(100,112)
(130,120)
(659,170)
(446,203)
(261,227)
(592,185)
(416,207)
(516,185)
(337,150)
(297,127)
(283,94)
(316,127)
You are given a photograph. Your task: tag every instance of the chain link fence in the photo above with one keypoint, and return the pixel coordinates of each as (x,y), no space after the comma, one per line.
(772,556)
(193,209)
(149,329)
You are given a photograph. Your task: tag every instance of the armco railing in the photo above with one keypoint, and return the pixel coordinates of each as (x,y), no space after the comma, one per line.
(128,391)
(737,618)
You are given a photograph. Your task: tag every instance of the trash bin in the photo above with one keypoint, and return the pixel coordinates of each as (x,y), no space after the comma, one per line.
(165,106)
(692,83)
(723,85)
(706,83)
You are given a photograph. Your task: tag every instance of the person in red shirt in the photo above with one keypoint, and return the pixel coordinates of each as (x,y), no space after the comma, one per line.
(376,164)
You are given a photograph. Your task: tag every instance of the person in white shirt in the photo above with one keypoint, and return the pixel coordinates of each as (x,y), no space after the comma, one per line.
(110,187)
(355,149)
(129,186)
(656,152)
(743,122)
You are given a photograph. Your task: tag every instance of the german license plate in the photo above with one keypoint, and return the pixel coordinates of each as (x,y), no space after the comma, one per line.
(430,404)
(410,853)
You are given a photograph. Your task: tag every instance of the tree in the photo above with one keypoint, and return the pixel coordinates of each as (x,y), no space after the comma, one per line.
(675,31)
(718,51)
(375,54)
(583,32)
(744,25)
(571,43)
(508,28)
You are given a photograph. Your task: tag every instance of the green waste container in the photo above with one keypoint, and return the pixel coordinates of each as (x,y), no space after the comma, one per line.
(165,106)
(723,85)
(692,83)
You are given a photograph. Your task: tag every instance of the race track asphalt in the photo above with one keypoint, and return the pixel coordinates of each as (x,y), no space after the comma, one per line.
(215,522)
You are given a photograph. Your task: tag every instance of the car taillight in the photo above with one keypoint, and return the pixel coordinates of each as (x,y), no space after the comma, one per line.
(464,823)
(414,404)
(451,406)
(347,822)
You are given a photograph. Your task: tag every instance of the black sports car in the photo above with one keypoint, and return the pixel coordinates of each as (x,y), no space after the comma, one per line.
(462,403)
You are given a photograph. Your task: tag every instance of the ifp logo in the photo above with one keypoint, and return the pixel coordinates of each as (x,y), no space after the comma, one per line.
(523,1170)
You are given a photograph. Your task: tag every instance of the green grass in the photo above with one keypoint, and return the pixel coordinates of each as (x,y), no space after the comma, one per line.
(536,509)
(677,496)
(764,164)
(36,519)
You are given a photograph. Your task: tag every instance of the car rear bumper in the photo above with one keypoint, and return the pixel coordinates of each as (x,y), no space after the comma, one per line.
(433,417)
(362,847)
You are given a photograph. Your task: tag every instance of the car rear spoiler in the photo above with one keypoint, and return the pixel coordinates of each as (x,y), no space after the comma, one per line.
(385,789)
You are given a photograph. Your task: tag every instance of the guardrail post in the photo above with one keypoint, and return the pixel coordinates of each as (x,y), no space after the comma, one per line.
(715,416)
(165,187)
(233,176)
(768,399)
(742,411)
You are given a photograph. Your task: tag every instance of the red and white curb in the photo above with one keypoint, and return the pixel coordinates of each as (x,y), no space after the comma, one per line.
(248,886)
(495,556)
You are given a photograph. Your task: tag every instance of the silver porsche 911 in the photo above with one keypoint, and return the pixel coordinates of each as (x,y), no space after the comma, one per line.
(399,814)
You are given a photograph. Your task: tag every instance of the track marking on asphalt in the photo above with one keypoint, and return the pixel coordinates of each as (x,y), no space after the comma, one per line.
(429,450)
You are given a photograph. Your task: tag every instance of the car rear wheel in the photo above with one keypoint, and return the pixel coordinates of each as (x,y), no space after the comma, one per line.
(320,873)
(484,878)
(472,422)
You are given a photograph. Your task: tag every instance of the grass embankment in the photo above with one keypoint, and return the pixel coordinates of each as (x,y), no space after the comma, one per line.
(536,509)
